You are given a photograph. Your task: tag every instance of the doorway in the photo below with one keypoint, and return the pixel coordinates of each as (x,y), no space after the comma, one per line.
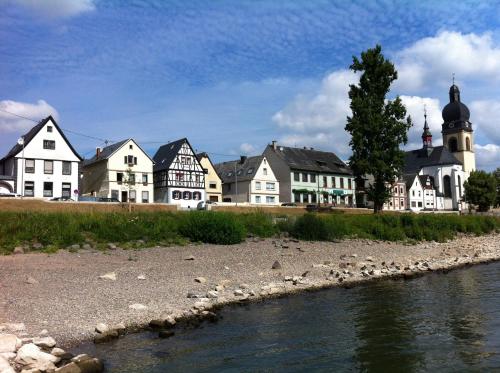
(124,196)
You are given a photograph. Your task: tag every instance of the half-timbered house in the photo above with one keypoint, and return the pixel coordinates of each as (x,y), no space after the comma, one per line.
(178,175)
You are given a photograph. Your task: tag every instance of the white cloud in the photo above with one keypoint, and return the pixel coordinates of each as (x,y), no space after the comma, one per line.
(487,156)
(57,8)
(248,149)
(433,60)
(11,124)
(486,117)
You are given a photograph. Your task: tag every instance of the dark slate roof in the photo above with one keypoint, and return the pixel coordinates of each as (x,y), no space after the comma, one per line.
(408,179)
(32,133)
(423,181)
(106,152)
(245,170)
(165,155)
(436,156)
(311,160)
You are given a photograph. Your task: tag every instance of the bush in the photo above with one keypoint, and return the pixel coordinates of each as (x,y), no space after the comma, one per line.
(311,227)
(212,227)
(258,224)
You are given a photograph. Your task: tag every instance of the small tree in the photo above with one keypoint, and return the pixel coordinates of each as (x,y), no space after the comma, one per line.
(130,183)
(481,190)
(496,173)
(377,126)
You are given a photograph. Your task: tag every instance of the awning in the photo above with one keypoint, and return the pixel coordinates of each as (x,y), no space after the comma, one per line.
(339,193)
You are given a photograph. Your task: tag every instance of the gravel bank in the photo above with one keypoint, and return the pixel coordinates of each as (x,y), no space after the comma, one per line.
(64,294)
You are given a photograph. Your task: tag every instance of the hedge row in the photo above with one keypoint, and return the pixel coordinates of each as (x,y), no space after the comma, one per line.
(59,230)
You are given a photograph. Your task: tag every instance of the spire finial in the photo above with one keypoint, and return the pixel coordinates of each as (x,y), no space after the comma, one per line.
(453,78)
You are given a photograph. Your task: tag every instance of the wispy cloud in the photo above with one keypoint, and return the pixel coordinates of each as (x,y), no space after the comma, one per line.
(16,122)
(55,8)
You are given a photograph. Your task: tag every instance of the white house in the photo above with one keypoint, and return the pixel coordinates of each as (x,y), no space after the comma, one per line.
(122,170)
(178,176)
(249,179)
(422,194)
(44,164)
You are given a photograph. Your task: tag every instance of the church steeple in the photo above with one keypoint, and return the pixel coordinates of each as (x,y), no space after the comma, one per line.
(426,135)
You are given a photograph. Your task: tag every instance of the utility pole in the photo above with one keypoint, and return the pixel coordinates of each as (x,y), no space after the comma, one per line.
(236,186)
(21,142)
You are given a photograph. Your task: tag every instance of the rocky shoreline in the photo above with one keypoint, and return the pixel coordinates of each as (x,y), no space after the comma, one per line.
(203,278)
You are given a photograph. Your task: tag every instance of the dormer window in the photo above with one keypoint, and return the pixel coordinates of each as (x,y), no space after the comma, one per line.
(49,128)
(250,170)
(49,144)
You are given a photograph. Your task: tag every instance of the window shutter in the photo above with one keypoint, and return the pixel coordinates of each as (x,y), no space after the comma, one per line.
(135,160)
(125,159)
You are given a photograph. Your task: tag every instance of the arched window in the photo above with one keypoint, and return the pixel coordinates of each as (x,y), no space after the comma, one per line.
(176,194)
(186,195)
(459,186)
(447,186)
(452,144)
(467,143)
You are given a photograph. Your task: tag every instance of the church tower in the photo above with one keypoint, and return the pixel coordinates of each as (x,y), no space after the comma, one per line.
(457,130)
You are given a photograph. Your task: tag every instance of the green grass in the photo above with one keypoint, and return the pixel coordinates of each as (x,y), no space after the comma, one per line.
(60,229)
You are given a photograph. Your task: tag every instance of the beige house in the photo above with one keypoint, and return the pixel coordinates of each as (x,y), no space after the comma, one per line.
(122,171)
(213,183)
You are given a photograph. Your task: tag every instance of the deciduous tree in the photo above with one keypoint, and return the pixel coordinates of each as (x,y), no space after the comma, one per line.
(481,190)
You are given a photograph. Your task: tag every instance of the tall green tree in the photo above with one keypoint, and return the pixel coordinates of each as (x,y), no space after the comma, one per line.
(377,126)
(481,190)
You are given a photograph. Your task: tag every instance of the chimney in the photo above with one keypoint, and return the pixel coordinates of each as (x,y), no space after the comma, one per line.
(274,143)
(243,159)
(98,152)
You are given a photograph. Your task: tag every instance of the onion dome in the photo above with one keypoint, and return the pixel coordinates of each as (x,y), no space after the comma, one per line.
(455,114)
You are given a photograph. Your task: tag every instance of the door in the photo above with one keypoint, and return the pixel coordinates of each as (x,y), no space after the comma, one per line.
(214,198)
(124,196)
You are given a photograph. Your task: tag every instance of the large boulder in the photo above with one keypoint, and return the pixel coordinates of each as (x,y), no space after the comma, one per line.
(44,342)
(5,366)
(88,364)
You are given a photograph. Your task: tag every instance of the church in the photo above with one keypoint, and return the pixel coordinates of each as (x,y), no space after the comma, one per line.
(444,168)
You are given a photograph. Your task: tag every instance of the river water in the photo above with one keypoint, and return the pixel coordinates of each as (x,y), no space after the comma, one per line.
(435,323)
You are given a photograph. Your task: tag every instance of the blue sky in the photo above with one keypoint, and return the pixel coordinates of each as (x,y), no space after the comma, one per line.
(234,75)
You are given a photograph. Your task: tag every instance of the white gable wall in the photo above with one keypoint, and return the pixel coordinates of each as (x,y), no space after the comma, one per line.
(265,176)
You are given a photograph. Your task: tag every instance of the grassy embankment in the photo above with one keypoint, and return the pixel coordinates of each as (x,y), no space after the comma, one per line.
(57,230)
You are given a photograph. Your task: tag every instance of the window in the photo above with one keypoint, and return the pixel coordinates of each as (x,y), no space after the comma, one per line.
(341,183)
(413,193)
(270,186)
(349,184)
(459,186)
(419,204)
(413,204)
(29,166)
(66,168)
(229,174)
(130,160)
(257,199)
(334,183)
(296,197)
(114,193)
(304,177)
(179,176)
(48,167)
(257,185)
(145,196)
(196,196)
(47,189)
(313,198)
(325,182)
(467,144)
(186,195)
(49,144)
(313,178)
(145,179)
(131,147)
(176,194)
(452,144)
(296,176)
(119,177)
(250,170)
(132,196)
(270,199)
(131,178)
(29,188)
(49,128)
(66,190)
(212,185)
(402,202)
(447,186)
(264,171)
(239,172)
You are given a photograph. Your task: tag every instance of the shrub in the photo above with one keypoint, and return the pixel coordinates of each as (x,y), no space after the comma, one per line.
(258,223)
(212,227)
(311,227)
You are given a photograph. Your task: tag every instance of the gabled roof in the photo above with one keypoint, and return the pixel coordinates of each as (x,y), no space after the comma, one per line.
(408,179)
(109,150)
(166,154)
(244,170)
(423,181)
(309,159)
(436,156)
(16,149)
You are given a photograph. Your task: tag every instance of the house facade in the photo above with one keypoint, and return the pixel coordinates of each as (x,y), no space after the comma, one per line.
(398,199)
(249,179)
(178,176)
(213,183)
(122,171)
(307,175)
(43,165)
(422,194)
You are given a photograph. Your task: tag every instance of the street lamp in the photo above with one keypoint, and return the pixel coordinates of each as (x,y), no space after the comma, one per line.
(20,141)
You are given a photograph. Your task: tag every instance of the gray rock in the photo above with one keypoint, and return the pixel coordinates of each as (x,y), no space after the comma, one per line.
(58,352)
(276,265)
(141,277)
(5,366)
(200,280)
(88,364)
(87,246)
(101,328)
(138,307)
(69,368)
(165,333)
(212,294)
(191,257)
(30,280)
(14,327)
(169,321)
(18,250)
(191,294)
(244,286)
(30,354)
(109,276)
(106,337)
(9,343)
(44,342)
(111,246)
(74,247)
(238,293)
